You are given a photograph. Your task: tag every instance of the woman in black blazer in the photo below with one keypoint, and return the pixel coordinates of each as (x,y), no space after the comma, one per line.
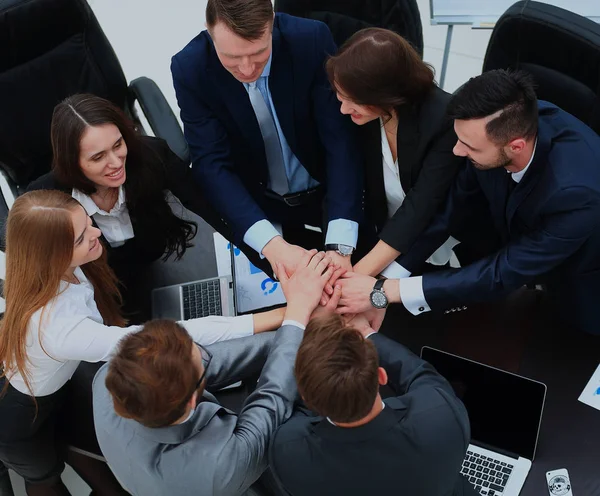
(387,89)
(122,178)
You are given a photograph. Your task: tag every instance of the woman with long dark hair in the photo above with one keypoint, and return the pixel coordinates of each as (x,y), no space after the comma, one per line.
(63,307)
(385,87)
(122,179)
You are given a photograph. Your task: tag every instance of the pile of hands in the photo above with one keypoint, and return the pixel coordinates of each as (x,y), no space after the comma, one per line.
(318,283)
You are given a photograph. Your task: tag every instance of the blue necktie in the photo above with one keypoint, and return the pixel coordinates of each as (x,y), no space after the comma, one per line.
(277,175)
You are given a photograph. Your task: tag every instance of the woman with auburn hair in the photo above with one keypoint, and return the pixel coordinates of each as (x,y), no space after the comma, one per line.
(122,178)
(387,89)
(62,307)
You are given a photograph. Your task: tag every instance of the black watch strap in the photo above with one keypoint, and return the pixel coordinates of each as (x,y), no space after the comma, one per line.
(379,285)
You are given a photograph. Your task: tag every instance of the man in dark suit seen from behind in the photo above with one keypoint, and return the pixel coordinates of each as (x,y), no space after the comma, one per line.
(411,444)
(534,175)
(267,143)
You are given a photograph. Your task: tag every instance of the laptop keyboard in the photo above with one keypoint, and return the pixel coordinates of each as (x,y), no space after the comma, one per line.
(202,299)
(489,476)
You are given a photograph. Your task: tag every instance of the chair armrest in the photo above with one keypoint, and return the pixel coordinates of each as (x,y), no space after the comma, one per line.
(159,114)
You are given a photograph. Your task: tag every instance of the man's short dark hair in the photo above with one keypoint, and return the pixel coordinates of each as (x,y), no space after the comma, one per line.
(337,370)
(152,377)
(512,92)
(246,18)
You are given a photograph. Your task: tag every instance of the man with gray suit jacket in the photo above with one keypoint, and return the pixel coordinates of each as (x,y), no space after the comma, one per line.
(162,431)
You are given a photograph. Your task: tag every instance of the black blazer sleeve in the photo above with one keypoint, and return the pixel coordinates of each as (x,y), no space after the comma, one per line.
(47,181)
(423,200)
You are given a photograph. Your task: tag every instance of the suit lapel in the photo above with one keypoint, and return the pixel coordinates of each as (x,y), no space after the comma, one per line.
(374,172)
(407,142)
(238,103)
(531,177)
(281,86)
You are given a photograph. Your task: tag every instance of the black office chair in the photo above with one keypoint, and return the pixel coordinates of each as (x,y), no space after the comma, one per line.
(50,49)
(559,48)
(346,17)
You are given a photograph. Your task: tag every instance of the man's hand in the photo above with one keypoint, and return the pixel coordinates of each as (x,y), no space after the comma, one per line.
(303,289)
(375,317)
(359,322)
(356,291)
(343,263)
(280,252)
(331,304)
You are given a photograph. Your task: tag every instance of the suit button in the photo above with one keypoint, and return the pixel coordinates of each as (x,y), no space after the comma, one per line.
(421,309)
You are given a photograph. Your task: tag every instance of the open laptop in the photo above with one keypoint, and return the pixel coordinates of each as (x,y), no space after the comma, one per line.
(505,411)
(190,300)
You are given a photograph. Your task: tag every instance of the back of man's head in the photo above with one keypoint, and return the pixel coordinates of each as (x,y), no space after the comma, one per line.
(152,377)
(337,370)
(248,19)
(509,94)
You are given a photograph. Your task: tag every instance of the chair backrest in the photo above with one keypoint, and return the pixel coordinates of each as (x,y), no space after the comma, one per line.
(559,48)
(345,17)
(49,49)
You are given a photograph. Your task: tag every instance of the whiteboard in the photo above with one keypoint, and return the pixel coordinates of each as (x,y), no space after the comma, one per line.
(485,13)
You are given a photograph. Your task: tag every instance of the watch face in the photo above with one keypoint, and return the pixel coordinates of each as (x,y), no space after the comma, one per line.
(378,299)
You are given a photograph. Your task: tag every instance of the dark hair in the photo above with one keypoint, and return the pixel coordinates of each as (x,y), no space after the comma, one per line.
(146,172)
(152,377)
(337,370)
(378,68)
(510,92)
(246,18)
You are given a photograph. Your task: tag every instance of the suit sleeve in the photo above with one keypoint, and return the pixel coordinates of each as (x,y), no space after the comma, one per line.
(463,204)
(573,216)
(212,165)
(343,157)
(428,194)
(244,458)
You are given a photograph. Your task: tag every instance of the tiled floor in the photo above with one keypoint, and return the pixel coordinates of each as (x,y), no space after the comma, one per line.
(146,34)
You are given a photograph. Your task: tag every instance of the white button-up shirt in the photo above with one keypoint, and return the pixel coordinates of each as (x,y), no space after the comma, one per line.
(116,224)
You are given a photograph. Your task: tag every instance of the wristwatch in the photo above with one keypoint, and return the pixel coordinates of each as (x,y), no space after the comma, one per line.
(378,298)
(343,250)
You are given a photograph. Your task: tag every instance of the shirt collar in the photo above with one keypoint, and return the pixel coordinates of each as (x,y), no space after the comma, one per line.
(265,73)
(333,423)
(517,176)
(90,206)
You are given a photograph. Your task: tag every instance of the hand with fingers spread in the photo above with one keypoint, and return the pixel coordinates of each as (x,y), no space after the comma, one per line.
(303,289)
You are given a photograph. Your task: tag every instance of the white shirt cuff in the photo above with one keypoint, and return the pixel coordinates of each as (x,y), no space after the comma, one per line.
(341,232)
(412,296)
(209,330)
(370,334)
(259,234)
(395,271)
(293,323)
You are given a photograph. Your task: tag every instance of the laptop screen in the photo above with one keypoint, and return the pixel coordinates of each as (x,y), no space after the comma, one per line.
(505,410)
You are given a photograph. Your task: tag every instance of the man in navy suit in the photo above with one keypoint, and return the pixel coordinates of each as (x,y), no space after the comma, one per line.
(535,177)
(268,144)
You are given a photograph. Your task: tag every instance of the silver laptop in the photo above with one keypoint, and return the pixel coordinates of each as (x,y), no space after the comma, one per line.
(191,300)
(505,411)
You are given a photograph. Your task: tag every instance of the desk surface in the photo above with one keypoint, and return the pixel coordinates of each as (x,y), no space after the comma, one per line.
(517,335)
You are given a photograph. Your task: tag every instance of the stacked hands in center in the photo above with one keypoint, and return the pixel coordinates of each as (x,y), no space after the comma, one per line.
(321,283)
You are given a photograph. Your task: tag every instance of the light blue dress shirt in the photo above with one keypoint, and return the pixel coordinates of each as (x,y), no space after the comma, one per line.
(340,231)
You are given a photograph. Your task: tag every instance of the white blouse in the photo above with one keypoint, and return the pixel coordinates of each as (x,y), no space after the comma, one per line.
(115,225)
(70,329)
(395,196)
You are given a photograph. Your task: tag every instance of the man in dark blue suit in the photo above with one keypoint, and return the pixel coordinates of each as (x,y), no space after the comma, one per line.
(267,141)
(535,177)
